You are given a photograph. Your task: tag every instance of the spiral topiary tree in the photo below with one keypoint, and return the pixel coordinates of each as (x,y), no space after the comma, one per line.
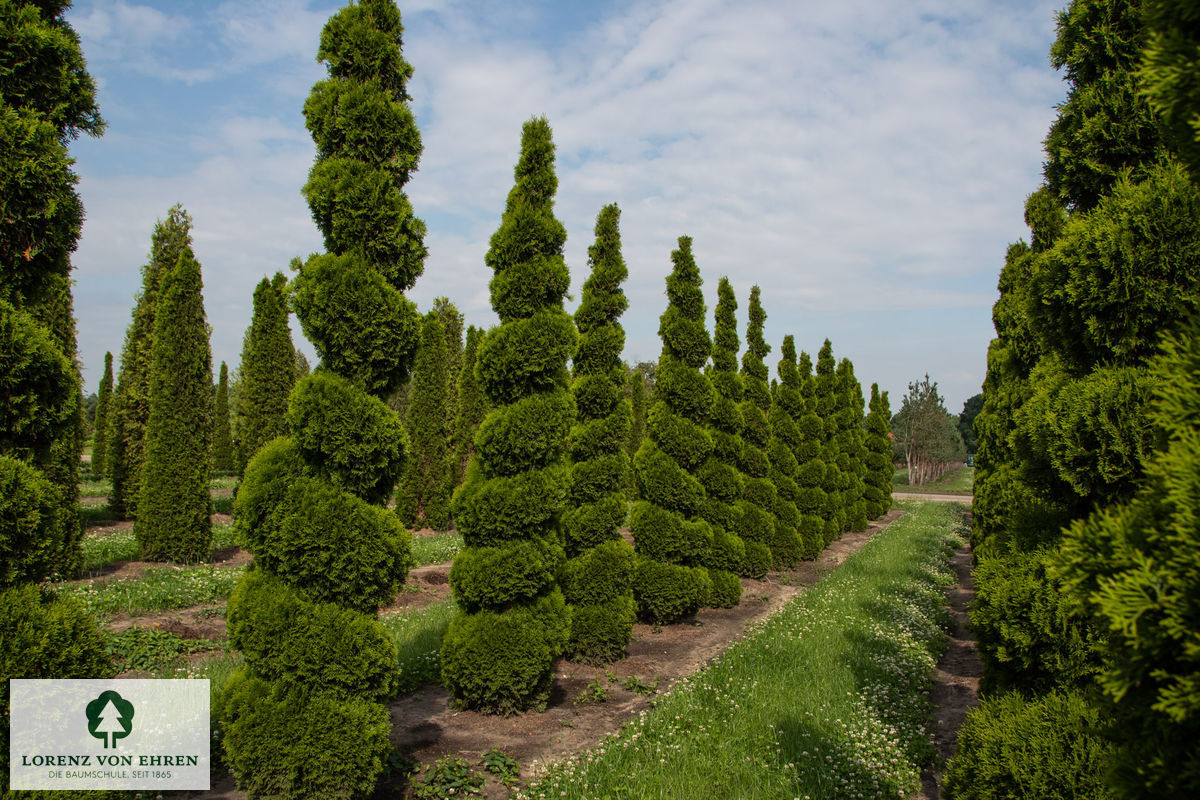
(850,443)
(786,547)
(671,538)
(423,496)
(268,372)
(499,650)
(472,405)
(100,425)
(878,459)
(810,471)
(758,509)
(826,400)
(598,578)
(720,474)
(305,717)
(222,446)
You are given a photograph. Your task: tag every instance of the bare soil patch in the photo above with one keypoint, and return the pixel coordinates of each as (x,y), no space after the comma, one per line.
(424,586)
(198,622)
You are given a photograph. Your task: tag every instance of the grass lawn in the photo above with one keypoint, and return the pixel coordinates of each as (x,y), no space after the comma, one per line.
(823,700)
(418,636)
(121,546)
(956,481)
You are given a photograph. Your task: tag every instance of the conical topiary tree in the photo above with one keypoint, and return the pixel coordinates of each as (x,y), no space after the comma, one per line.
(305,718)
(757,512)
(101,424)
(786,547)
(472,405)
(499,650)
(174,520)
(423,497)
(267,372)
(672,539)
(852,447)
(222,446)
(598,578)
(721,475)
(826,400)
(878,460)
(131,407)
(810,471)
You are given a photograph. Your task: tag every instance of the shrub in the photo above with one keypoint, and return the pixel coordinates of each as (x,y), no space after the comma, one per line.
(35,382)
(31,524)
(787,406)
(669,592)
(758,520)
(826,405)
(726,589)
(852,444)
(878,460)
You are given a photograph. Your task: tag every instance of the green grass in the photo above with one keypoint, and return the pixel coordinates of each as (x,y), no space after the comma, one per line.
(102,488)
(149,650)
(956,481)
(99,551)
(823,700)
(157,589)
(418,636)
(436,549)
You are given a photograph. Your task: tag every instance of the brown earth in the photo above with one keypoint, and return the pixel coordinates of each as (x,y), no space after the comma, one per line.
(956,679)
(198,622)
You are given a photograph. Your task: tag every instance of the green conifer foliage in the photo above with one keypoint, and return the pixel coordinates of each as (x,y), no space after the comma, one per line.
(757,510)
(472,405)
(174,520)
(721,474)
(132,406)
(878,460)
(637,407)
(1170,64)
(423,497)
(100,427)
(311,505)
(598,577)
(499,650)
(851,443)
(826,398)
(786,407)
(672,539)
(222,445)
(267,372)
(810,468)
(452,325)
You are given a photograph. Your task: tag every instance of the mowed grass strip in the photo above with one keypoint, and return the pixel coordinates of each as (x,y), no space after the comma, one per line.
(418,637)
(826,699)
(99,551)
(957,481)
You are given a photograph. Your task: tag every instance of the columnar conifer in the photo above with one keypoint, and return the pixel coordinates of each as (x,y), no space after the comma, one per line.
(810,470)
(498,653)
(267,372)
(851,445)
(787,405)
(637,405)
(598,578)
(132,405)
(452,326)
(671,537)
(878,460)
(306,715)
(758,512)
(423,496)
(721,474)
(222,447)
(174,509)
(826,397)
(472,405)
(101,424)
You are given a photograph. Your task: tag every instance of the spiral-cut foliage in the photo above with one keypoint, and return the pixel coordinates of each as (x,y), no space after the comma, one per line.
(850,443)
(498,653)
(423,497)
(810,468)
(786,409)
(268,372)
(878,460)
(758,508)
(174,509)
(666,522)
(826,401)
(100,425)
(305,717)
(599,573)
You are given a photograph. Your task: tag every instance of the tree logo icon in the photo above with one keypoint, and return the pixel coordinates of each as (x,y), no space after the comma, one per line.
(110,717)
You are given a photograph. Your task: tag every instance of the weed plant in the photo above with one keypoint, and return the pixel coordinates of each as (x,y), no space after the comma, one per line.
(149,650)
(827,699)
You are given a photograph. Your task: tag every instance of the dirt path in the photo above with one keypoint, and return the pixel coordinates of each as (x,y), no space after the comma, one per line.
(956,681)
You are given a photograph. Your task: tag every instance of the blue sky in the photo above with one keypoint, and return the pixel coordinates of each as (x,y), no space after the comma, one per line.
(864,162)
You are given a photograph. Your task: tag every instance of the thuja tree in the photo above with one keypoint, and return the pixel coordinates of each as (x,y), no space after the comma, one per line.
(174,520)
(598,578)
(671,537)
(826,402)
(637,405)
(852,447)
(786,410)
(452,327)
(305,717)
(423,496)
(472,405)
(222,441)
(721,474)
(267,372)
(131,406)
(811,499)
(757,518)
(100,426)
(47,98)
(499,650)
(878,460)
